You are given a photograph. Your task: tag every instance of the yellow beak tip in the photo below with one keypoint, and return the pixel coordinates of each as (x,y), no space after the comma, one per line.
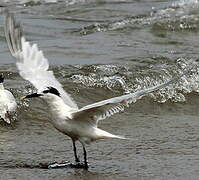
(22,98)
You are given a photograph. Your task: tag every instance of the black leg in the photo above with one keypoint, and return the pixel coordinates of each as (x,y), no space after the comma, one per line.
(75,165)
(85,158)
(75,152)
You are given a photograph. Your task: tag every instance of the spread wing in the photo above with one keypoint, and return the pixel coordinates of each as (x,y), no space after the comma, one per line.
(31,63)
(103,109)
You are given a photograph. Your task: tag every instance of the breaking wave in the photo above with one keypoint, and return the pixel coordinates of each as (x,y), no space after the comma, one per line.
(179,16)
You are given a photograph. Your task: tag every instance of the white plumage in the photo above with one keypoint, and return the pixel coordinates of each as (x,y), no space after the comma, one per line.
(79,124)
(8,104)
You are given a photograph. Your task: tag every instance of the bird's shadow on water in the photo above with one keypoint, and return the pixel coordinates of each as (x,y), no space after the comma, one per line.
(63,172)
(44,165)
(79,171)
(54,166)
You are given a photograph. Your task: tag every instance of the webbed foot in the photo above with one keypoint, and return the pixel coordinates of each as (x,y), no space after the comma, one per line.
(79,165)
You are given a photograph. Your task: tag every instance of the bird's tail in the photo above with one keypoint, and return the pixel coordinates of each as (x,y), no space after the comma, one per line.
(101,134)
(1,78)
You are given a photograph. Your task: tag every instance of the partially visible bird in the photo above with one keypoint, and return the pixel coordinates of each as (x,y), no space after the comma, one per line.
(8,105)
(79,124)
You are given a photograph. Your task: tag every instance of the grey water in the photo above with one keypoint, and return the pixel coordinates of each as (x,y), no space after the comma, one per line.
(99,49)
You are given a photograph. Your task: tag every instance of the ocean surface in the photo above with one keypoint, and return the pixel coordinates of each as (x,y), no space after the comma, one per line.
(100,49)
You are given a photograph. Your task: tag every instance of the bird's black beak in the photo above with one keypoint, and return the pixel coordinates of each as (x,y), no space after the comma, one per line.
(31,96)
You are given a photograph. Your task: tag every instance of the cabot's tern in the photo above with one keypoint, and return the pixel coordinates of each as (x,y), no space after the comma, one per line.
(80,124)
(8,105)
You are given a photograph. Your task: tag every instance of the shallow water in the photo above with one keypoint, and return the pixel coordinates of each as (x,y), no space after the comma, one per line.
(100,49)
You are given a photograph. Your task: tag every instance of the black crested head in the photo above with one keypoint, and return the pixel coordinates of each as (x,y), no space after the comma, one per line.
(52,90)
(1,78)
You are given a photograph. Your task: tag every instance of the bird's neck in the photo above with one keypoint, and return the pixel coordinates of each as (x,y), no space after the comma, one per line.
(60,113)
(58,108)
(1,86)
